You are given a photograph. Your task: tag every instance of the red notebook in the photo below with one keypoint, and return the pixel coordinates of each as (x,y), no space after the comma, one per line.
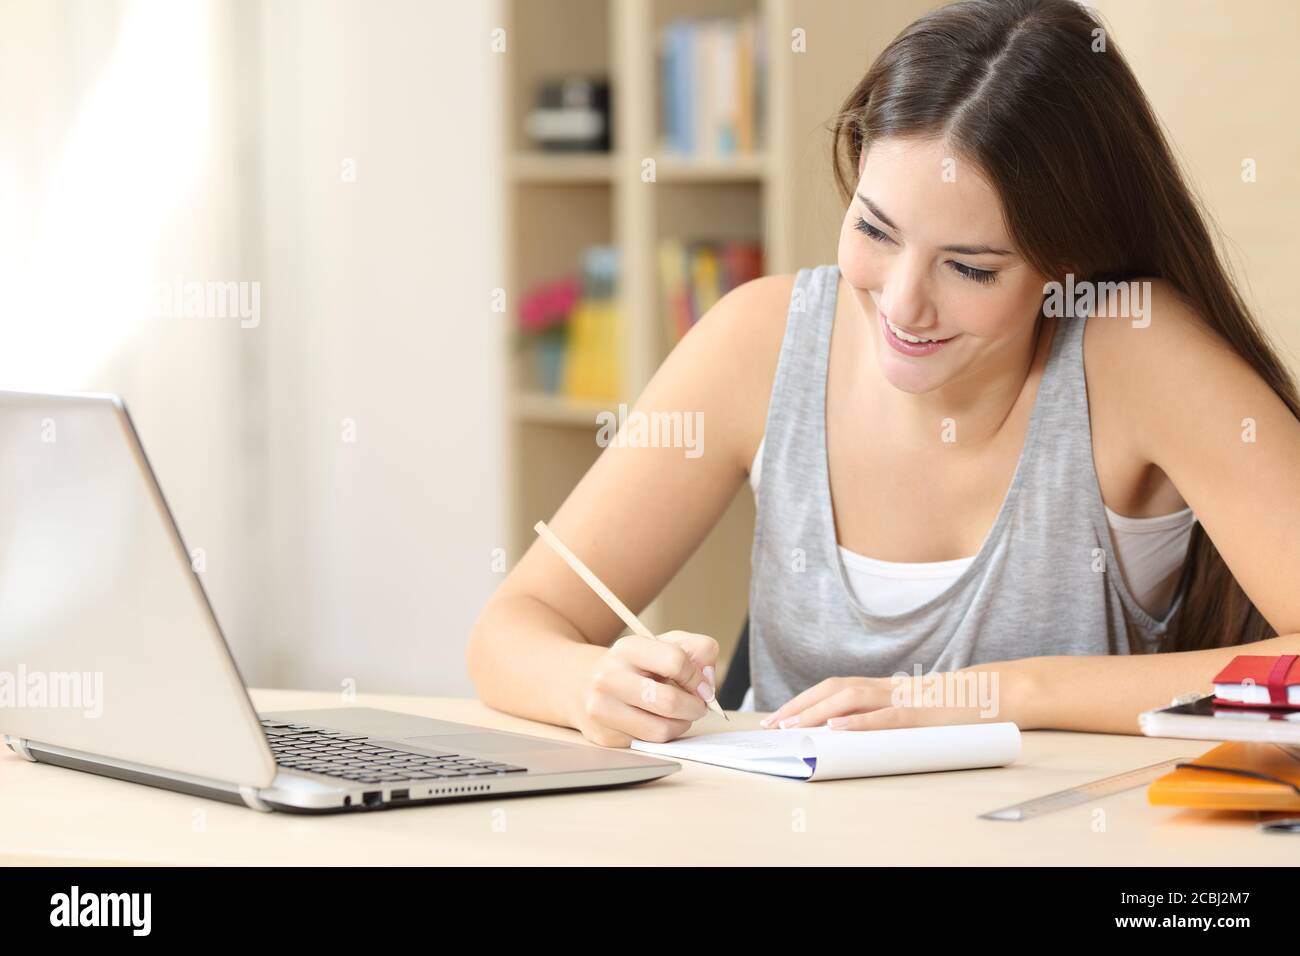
(1256,681)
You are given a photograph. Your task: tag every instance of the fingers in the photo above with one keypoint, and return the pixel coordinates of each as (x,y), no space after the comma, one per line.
(890,718)
(702,648)
(787,713)
(865,703)
(884,719)
(670,657)
(615,723)
(853,699)
(649,694)
(833,697)
(648,689)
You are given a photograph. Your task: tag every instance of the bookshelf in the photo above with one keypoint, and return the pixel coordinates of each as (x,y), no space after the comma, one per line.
(557,203)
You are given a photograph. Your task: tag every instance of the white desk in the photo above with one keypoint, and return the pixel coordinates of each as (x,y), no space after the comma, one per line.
(700,815)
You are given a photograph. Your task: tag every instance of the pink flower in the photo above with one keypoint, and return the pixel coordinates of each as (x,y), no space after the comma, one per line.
(549,304)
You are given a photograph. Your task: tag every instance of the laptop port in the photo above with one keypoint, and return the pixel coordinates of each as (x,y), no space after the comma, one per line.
(372,798)
(401,795)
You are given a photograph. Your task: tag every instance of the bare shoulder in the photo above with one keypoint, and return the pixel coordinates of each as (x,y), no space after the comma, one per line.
(733,351)
(1160,364)
(1156,319)
(751,317)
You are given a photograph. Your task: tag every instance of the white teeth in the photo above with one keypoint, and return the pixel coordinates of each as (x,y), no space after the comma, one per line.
(905,336)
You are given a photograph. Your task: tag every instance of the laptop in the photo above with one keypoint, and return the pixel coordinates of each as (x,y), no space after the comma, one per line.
(112,660)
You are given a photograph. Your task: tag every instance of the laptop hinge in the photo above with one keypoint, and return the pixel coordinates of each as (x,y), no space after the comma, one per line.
(18,746)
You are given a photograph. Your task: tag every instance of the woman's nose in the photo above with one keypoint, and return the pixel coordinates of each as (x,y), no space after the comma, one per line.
(903,298)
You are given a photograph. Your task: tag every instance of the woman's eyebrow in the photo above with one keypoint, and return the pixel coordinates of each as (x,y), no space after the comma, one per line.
(879,213)
(959,249)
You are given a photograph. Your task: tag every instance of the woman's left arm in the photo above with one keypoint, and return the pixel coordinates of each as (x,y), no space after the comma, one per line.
(1231,447)
(1201,414)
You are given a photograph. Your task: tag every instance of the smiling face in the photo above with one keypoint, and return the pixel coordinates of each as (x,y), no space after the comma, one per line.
(928,258)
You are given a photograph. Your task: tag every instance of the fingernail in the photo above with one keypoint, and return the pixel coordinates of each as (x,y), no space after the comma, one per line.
(837,722)
(765,722)
(791,722)
(705,690)
(711,676)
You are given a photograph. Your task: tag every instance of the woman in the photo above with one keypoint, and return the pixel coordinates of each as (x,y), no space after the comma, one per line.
(962,465)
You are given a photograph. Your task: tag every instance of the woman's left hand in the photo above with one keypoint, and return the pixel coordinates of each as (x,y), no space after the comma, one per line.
(973,695)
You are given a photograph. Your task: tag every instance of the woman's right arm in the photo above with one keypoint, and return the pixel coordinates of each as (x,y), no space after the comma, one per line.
(544,646)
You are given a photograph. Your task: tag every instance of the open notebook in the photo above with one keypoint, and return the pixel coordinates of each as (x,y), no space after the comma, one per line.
(819,753)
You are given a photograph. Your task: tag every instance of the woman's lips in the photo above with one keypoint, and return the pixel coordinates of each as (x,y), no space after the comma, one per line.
(911,348)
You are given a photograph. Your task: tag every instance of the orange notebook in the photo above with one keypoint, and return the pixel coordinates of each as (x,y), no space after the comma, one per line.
(1221,790)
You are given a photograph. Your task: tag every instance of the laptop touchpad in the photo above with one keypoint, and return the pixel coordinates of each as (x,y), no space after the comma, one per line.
(480,743)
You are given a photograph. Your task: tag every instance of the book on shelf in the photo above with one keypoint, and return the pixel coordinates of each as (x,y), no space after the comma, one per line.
(695,274)
(710,86)
(591,366)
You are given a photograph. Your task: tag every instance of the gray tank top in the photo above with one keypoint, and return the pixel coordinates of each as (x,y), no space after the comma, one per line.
(1044,581)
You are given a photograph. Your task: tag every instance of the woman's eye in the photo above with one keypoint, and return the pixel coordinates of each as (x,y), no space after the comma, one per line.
(982,276)
(869,230)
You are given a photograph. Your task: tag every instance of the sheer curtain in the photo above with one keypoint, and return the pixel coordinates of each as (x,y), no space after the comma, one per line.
(120,179)
(333,165)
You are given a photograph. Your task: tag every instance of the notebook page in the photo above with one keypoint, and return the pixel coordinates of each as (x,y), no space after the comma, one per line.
(820,753)
(783,753)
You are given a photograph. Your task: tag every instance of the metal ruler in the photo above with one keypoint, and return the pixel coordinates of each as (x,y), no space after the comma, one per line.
(1084,793)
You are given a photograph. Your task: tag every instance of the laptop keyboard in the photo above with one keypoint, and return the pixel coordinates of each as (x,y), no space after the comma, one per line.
(354,757)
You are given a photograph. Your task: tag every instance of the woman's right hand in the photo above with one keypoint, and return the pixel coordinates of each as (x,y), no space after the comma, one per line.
(636,690)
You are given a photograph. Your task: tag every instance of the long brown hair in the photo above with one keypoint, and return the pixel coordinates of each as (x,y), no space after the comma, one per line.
(1041,100)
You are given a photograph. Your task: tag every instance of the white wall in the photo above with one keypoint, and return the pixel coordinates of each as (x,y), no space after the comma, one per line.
(1223,78)
(377,311)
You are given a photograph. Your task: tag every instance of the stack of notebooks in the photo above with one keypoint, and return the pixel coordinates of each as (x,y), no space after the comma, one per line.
(1256,708)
